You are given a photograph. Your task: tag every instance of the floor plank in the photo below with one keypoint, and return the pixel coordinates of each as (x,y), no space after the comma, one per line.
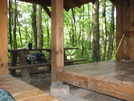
(22,91)
(115,78)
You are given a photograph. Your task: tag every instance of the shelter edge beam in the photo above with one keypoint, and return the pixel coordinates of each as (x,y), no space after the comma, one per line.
(3,38)
(114,88)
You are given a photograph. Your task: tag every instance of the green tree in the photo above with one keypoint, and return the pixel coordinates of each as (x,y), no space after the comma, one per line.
(111,35)
(104,30)
(96,33)
(34,24)
(39,28)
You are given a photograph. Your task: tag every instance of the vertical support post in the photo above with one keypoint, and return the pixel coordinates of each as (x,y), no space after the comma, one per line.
(3,38)
(24,72)
(125,24)
(132,29)
(118,56)
(57,49)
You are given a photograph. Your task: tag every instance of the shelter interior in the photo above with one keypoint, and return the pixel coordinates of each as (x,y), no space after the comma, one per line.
(116,76)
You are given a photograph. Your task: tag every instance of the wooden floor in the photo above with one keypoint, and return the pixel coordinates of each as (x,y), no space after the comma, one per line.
(115,78)
(22,91)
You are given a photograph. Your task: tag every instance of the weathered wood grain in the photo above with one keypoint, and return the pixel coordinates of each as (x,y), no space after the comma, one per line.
(3,37)
(57,49)
(132,28)
(22,91)
(114,78)
(125,23)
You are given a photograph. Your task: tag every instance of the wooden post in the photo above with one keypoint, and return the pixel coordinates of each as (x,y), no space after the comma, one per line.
(57,48)
(24,72)
(132,29)
(3,38)
(125,23)
(119,30)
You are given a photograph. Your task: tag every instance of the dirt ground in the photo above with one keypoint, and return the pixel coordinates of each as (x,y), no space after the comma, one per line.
(42,80)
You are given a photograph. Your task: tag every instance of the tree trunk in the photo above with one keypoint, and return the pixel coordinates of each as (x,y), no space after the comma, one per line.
(34,26)
(89,29)
(96,33)
(39,28)
(48,35)
(73,31)
(14,29)
(26,29)
(10,23)
(18,23)
(104,30)
(111,36)
(83,30)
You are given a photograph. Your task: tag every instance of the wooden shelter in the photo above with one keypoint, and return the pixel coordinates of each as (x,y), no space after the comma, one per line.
(120,88)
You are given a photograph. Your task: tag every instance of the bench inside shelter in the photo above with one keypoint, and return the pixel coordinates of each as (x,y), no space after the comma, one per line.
(32,68)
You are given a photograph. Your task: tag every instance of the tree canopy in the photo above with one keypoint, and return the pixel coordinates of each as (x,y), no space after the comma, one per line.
(87,28)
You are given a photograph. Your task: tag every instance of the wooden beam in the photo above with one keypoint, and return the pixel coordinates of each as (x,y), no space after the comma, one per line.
(132,28)
(115,2)
(3,38)
(42,3)
(32,1)
(24,72)
(22,91)
(57,48)
(46,9)
(119,30)
(76,3)
(116,88)
(125,8)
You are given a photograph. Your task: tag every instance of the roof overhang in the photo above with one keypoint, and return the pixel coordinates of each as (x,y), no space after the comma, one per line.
(68,4)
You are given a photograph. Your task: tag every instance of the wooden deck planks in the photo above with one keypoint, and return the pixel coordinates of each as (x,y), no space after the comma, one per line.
(22,91)
(107,69)
(115,78)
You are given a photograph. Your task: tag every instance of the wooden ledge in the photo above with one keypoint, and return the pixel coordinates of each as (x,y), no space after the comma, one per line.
(43,64)
(78,60)
(28,66)
(22,91)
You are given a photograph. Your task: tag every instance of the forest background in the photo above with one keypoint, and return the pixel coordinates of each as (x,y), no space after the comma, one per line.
(91,28)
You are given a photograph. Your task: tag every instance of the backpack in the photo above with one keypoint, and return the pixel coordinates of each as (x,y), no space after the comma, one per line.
(36,58)
(5,95)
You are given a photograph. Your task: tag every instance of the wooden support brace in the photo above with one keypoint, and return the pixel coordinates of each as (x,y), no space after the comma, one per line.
(129,33)
(46,9)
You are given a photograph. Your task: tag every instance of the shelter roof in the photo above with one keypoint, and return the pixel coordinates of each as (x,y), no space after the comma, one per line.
(68,4)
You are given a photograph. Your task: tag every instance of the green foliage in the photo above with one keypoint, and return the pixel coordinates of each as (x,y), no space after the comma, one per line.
(78,30)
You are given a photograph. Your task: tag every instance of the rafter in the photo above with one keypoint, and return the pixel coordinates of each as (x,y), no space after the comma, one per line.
(31,1)
(76,3)
(46,9)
